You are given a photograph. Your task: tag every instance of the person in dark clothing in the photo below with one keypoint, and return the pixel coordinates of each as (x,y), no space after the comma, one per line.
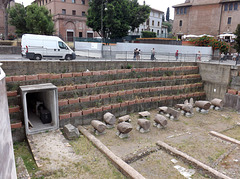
(237,58)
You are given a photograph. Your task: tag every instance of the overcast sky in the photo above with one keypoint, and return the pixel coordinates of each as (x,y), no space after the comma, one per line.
(156,4)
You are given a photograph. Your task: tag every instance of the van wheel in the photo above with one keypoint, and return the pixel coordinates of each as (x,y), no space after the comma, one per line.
(68,57)
(37,57)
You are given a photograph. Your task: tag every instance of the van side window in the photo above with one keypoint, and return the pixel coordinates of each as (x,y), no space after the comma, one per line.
(62,45)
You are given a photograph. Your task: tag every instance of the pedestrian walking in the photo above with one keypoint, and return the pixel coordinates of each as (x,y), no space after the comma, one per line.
(199,56)
(138,54)
(237,58)
(176,55)
(153,54)
(222,56)
(135,53)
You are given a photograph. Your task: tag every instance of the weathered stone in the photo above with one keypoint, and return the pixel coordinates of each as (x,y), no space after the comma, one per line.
(203,104)
(144,114)
(99,126)
(163,110)
(173,113)
(70,132)
(124,127)
(125,118)
(109,118)
(188,108)
(217,102)
(160,120)
(144,125)
(179,106)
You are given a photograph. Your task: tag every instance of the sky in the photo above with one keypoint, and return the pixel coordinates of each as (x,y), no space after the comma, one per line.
(161,5)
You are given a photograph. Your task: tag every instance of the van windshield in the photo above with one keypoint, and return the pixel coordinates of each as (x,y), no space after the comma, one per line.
(62,45)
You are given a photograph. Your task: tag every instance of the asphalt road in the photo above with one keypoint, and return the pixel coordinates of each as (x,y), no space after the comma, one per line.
(15,57)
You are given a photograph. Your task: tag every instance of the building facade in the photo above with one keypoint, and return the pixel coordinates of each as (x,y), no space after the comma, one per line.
(213,17)
(69,17)
(152,24)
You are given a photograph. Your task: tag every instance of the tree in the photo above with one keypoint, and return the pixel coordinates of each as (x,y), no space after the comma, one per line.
(237,40)
(169,25)
(211,42)
(114,18)
(168,14)
(5,4)
(147,34)
(32,19)
(17,18)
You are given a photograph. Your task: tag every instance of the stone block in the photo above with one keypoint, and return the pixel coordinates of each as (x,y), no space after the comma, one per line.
(70,132)
(144,114)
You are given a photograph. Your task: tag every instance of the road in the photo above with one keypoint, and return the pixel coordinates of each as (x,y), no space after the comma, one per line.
(15,57)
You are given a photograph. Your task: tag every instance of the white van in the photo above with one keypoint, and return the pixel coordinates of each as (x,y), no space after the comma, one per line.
(36,47)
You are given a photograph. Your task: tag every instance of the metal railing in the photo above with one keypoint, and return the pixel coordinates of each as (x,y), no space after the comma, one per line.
(143,56)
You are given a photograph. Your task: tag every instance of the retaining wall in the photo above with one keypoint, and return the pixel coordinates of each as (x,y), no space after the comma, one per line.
(216,79)
(10,50)
(7,161)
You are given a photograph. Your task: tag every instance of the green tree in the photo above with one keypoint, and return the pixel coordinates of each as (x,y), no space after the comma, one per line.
(211,42)
(169,25)
(114,18)
(237,40)
(38,20)
(17,16)
(167,14)
(147,34)
(32,19)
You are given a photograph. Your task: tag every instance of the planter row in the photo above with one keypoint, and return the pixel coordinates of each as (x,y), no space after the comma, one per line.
(185,88)
(92,73)
(123,87)
(15,100)
(128,103)
(233,91)
(115,82)
(14,85)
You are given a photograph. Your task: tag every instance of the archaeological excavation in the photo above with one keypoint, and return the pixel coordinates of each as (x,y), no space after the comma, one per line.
(160,121)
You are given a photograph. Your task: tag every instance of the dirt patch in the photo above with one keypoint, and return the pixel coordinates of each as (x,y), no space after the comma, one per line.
(189,135)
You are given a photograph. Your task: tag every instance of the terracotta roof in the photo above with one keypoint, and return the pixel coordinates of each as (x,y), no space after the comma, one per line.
(182,5)
(225,1)
(156,10)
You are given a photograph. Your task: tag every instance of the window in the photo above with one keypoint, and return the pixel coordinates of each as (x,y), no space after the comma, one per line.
(185,10)
(152,30)
(43,2)
(229,20)
(178,11)
(46,1)
(142,30)
(230,7)
(50,12)
(83,13)
(225,7)
(158,23)
(63,0)
(157,32)
(73,12)
(83,1)
(40,3)
(80,34)
(235,6)
(152,23)
(148,22)
(181,10)
(62,45)
(180,23)
(63,11)
(73,1)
